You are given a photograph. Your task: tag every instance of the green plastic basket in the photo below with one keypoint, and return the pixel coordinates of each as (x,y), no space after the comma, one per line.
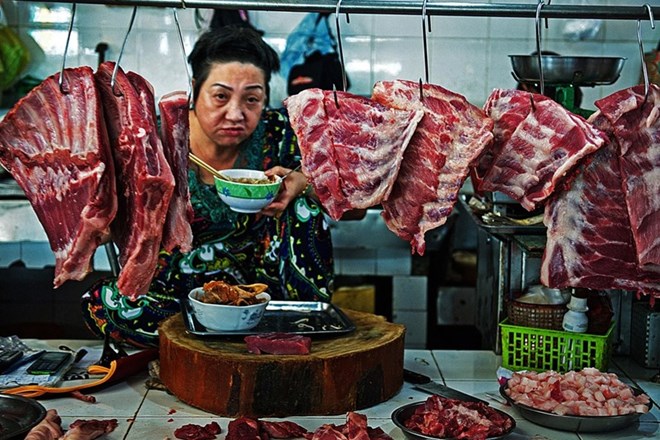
(529,348)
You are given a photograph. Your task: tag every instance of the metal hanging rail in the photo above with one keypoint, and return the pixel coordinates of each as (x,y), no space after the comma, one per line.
(403,7)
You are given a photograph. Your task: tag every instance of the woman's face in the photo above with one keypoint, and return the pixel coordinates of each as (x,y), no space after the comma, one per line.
(230,101)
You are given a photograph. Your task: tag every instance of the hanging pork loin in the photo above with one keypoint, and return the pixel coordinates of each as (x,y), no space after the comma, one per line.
(452,134)
(536,144)
(55,144)
(144,179)
(351,146)
(175,131)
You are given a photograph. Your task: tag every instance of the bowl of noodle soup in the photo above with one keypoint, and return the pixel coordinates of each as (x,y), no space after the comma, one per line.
(247,191)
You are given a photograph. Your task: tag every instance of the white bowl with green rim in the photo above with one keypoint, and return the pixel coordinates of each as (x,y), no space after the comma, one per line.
(247,191)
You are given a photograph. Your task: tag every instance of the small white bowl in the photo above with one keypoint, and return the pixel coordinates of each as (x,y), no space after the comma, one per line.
(247,197)
(224,317)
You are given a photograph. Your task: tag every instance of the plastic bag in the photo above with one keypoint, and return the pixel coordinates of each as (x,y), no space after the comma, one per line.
(14,56)
(582,29)
(310,58)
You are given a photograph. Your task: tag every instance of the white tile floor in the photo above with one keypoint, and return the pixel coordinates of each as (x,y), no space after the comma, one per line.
(149,414)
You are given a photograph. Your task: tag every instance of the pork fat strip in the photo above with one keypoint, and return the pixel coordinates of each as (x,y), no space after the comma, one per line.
(590,242)
(635,123)
(144,180)
(55,144)
(175,131)
(535,146)
(351,148)
(449,138)
(50,428)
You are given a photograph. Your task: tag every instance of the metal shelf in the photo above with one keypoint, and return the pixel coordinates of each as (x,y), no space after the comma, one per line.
(396,7)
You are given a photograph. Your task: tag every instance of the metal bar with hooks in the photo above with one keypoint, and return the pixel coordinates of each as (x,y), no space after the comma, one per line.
(404,7)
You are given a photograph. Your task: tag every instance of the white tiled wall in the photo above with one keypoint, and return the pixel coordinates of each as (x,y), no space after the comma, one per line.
(466,54)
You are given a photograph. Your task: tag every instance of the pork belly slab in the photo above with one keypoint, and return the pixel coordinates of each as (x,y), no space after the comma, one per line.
(144,179)
(175,135)
(351,147)
(452,134)
(635,123)
(55,144)
(537,143)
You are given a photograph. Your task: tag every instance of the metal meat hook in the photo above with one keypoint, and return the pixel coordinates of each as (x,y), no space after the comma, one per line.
(538,47)
(66,48)
(641,51)
(121,52)
(183,52)
(426,51)
(341,52)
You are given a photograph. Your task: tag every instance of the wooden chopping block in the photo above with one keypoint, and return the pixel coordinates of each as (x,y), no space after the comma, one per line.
(344,373)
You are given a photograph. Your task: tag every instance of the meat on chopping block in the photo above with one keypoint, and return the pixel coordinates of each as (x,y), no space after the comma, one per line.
(341,373)
(635,123)
(144,179)
(55,144)
(175,131)
(351,146)
(590,242)
(537,142)
(449,138)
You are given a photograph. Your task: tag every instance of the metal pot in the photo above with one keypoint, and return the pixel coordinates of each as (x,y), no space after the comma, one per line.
(565,70)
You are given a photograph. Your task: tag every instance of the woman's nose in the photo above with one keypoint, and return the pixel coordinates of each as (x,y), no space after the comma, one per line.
(235,111)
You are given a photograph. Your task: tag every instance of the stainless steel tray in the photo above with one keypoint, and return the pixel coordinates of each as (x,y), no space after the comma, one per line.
(297,317)
(18,415)
(573,423)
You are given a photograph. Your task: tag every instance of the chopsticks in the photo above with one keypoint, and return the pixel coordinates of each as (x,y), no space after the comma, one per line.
(206,166)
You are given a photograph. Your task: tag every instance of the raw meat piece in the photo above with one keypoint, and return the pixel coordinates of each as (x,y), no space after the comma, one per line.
(50,428)
(449,138)
(356,426)
(636,126)
(198,432)
(283,429)
(450,418)
(89,429)
(587,392)
(175,130)
(327,432)
(244,428)
(590,242)
(278,343)
(351,153)
(56,146)
(534,147)
(144,180)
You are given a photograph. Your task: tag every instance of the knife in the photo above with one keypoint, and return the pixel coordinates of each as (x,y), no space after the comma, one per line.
(424,383)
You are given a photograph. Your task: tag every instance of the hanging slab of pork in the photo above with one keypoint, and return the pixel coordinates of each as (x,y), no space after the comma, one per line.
(351,147)
(54,143)
(144,180)
(590,242)
(635,123)
(537,143)
(452,134)
(175,131)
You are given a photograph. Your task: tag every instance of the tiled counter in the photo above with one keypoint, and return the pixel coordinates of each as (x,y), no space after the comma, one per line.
(145,414)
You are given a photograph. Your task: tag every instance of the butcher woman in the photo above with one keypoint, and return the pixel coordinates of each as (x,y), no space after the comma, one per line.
(287,245)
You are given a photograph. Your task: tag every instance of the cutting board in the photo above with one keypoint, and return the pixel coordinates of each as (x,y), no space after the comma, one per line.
(343,373)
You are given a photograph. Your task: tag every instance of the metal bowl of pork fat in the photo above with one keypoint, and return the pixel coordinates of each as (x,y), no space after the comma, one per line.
(565,70)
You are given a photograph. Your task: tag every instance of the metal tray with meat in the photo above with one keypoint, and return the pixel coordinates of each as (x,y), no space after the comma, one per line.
(574,423)
(313,318)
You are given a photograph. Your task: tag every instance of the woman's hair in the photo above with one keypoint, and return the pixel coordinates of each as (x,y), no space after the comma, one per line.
(227,44)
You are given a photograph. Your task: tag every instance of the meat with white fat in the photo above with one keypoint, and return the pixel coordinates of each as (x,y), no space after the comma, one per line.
(635,123)
(175,131)
(351,147)
(144,179)
(537,142)
(449,138)
(64,166)
(590,242)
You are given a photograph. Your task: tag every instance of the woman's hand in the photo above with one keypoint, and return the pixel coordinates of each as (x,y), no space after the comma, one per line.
(292,186)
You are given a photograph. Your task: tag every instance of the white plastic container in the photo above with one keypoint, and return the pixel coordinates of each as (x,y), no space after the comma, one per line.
(575,320)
